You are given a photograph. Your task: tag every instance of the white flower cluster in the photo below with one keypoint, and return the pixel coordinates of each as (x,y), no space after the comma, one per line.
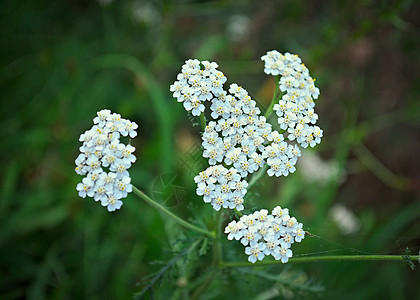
(195,85)
(267,234)
(295,110)
(221,187)
(238,135)
(105,161)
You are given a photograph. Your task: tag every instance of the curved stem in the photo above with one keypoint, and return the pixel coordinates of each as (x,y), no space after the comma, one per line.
(274,100)
(170,214)
(325,258)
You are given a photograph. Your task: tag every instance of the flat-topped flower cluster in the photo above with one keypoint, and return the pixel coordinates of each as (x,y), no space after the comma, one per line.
(266,234)
(105,160)
(238,135)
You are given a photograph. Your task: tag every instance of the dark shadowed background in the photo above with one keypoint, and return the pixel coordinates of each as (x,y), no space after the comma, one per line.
(358,192)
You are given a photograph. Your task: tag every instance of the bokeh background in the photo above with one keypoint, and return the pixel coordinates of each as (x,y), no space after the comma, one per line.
(358,192)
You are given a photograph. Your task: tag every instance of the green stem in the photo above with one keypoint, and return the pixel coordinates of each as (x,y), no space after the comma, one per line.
(325,258)
(203,121)
(238,213)
(274,100)
(177,219)
(257,176)
(217,247)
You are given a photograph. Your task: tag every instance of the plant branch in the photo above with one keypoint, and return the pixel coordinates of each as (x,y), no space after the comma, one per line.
(217,247)
(238,213)
(203,121)
(257,176)
(177,219)
(325,258)
(274,100)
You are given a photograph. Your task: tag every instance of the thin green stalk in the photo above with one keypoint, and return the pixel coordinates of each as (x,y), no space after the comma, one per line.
(325,258)
(217,247)
(238,213)
(267,114)
(217,257)
(203,121)
(257,176)
(177,219)
(274,100)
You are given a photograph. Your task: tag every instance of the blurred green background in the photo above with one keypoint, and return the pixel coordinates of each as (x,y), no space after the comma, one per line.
(358,192)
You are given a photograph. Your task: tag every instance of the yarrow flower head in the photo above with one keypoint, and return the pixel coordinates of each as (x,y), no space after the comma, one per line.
(237,135)
(221,187)
(265,234)
(105,160)
(295,109)
(198,82)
